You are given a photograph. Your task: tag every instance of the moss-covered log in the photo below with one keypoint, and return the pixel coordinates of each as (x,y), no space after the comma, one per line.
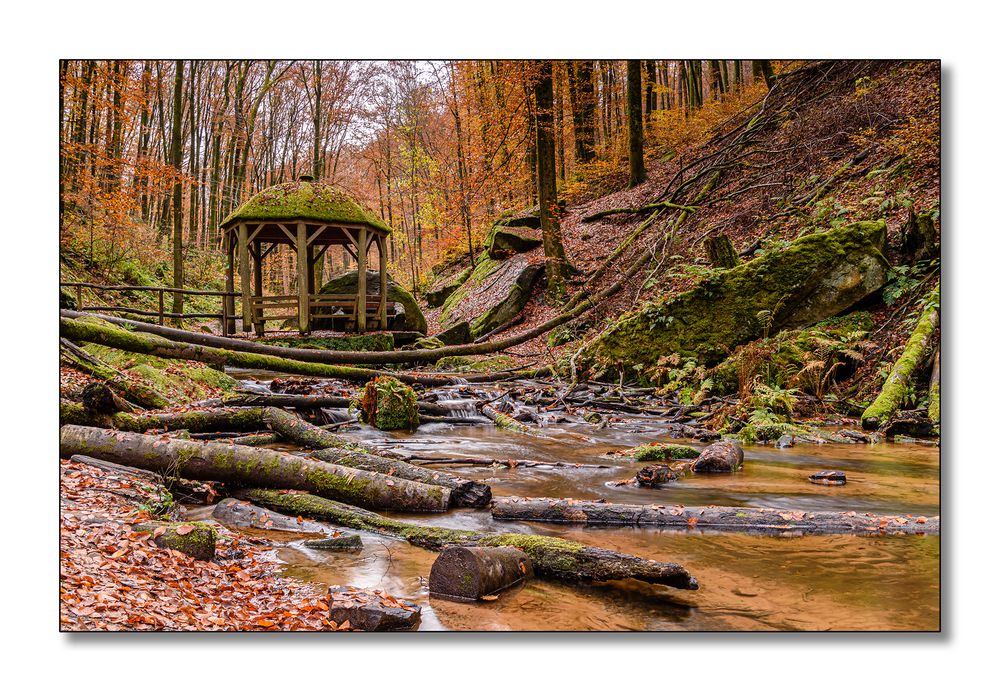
(334,449)
(194,538)
(465,573)
(915,355)
(100,331)
(934,391)
(211,420)
(552,558)
(100,398)
(388,404)
(505,422)
(742,519)
(132,390)
(240,465)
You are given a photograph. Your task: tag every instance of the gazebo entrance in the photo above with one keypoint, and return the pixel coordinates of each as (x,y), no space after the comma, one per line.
(310,217)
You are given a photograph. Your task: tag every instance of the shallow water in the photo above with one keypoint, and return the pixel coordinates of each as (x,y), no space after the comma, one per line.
(747,582)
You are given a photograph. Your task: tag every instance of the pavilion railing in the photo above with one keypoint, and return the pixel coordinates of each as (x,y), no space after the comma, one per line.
(224,316)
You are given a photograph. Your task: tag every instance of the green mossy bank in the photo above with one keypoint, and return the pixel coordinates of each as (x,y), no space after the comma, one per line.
(815,277)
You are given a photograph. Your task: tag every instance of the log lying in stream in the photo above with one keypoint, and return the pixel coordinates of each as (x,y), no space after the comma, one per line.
(461,573)
(745,519)
(98,331)
(552,558)
(213,420)
(214,461)
(305,402)
(464,492)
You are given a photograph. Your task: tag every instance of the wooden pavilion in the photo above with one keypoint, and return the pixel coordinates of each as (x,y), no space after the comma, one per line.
(311,217)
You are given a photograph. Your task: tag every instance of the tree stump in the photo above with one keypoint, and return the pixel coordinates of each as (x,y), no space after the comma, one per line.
(721,252)
(469,574)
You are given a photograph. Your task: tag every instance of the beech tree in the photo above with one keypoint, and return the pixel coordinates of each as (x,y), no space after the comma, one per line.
(555,255)
(636,167)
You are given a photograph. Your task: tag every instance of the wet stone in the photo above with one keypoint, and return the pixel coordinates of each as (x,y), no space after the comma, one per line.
(372,611)
(829,478)
(785,441)
(351,543)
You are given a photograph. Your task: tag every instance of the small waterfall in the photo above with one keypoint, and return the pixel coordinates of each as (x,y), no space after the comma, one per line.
(457,405)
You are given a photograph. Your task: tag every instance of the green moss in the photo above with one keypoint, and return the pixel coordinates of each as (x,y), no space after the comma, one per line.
(548,555)
(199,542)
(359,342)
(388,404)
(443,286)
(484,267)
(663,452)
(504,241)
(894,391)
(470,364)
(347,284)
(815,277)
(305,200)
(934,403)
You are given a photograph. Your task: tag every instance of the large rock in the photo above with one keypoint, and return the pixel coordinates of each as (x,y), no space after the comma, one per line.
(504,241)
(446,283)
(371,611)
(412,319)
(494,293)
(815,277)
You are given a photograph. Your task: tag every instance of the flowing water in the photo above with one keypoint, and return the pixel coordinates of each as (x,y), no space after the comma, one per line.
(747,582)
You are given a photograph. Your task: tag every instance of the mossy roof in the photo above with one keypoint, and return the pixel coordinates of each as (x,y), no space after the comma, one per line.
(305,199)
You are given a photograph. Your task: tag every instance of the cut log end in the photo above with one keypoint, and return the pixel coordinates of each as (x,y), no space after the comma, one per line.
(468,574)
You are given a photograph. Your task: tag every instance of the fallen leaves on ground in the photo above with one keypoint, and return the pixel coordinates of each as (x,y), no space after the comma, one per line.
(114,578)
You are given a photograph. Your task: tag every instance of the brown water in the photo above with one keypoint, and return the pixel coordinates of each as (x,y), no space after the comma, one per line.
(747,582)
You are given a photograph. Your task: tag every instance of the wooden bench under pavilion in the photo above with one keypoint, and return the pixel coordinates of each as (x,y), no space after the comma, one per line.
(311,217)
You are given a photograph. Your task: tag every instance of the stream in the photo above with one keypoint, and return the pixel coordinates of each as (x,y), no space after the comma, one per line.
(748,582)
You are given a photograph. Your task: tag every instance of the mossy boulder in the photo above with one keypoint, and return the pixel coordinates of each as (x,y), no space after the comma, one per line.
(427,342)
(504,241)
(388,404)
(196,539)
(471,364)
(180,381)
(526,218)
(358,342)
(412,319)
(446,283)
(456,334)
(814,278)
(495,292)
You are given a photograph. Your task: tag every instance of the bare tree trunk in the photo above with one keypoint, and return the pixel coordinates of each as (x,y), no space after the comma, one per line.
(636,166)
(177,160)
(555,255)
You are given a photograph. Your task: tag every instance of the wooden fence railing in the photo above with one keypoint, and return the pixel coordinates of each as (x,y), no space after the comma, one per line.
(160,313)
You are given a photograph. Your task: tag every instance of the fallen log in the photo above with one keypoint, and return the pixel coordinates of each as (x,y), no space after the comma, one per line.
(468,574)
(131,390)
(553,558)
(191,538)
(211,420)
(99,398)
(934,391)
(637,210)
(345,543)
(215,461)
(915,354)
(744,519)
(334,449)
(243,515)
(100,331)
(505,422)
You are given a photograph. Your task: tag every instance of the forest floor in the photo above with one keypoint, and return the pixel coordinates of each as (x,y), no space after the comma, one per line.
(114,578)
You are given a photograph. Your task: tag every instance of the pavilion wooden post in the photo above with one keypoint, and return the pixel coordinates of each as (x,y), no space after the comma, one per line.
(302,255)
(258,288)
(229,302)
(383,318)
(245,276)
(362,320)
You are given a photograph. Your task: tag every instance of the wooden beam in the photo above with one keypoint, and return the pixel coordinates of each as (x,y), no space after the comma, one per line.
(258,287)
(302,255)
(291,236)
(229,303)
(383,318)
(268,251)
(362,309)
(245,276)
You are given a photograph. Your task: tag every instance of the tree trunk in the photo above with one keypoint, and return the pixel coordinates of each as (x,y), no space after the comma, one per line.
(241,419)
(636,166)
(915,355)
(336,450)
(582,102)
(98,398)
(555,255)
(742,519)
(934,391)
(177,160)
(467,574)
(552,558)
(721,252)
(214,461)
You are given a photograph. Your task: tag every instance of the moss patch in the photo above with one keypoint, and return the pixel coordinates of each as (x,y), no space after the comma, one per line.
(662,452)
(815,277)
(180,381)
(470,364)
(388,404)
(360,342)
(305,200)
